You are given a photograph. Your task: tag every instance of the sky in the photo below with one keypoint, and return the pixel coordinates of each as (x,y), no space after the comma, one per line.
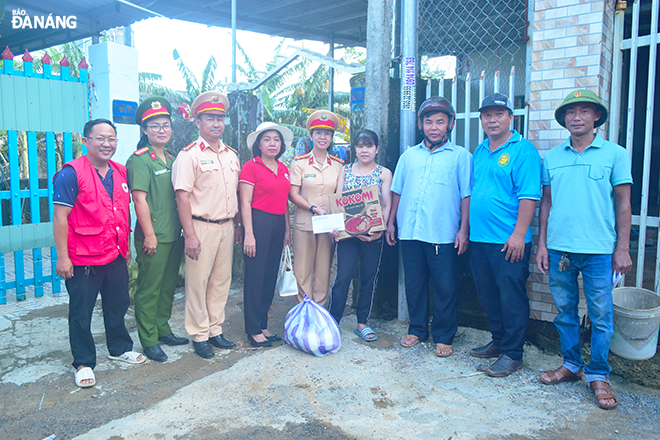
(156,38)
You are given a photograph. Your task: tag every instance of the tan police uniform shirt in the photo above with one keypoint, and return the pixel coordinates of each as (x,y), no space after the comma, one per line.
(316,184)
(210,177)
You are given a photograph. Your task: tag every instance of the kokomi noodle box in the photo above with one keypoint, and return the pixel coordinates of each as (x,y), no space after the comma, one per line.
(362,211)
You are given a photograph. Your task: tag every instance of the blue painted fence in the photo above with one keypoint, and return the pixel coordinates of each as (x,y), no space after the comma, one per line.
(35,105)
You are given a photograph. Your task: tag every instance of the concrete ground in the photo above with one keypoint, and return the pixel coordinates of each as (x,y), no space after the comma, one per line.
(374,390)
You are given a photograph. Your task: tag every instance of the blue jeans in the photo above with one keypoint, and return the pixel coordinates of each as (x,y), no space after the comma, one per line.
(422,261)
(502,289)
(597,282)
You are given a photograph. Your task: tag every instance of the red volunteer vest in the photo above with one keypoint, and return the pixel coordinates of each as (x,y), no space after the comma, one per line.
(98,226)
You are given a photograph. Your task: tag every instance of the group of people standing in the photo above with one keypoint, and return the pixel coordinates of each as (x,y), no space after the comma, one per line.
(443,200)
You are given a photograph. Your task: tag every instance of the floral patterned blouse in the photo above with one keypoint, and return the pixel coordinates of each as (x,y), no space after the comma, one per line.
(351,181)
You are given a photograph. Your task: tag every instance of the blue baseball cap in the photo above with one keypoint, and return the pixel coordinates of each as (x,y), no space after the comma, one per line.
(496,100)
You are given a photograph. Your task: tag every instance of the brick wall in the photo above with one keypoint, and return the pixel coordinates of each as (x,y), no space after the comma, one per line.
(572,48)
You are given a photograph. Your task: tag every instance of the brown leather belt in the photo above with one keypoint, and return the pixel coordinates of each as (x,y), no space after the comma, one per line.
(218,222)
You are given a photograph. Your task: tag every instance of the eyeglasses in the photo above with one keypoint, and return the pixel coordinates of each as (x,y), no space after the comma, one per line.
(156,127)
(102,140)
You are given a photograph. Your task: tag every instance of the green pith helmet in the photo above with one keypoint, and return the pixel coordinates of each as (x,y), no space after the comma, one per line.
(577,97)
(152,107)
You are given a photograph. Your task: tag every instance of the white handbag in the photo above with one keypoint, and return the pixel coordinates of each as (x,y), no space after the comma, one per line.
(286,280)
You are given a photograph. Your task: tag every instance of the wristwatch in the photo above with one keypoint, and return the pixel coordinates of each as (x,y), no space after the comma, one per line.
(311,208)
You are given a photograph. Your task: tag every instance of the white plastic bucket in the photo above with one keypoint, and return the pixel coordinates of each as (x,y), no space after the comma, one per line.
(636,323)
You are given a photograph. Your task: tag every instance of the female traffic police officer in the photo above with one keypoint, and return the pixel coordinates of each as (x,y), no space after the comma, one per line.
(314,177)
(158,242)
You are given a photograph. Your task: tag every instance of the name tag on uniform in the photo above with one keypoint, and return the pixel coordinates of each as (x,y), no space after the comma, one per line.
(309,175)
(207,162)
(159,172)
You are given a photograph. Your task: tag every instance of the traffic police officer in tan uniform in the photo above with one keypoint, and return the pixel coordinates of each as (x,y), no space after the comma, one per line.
(205,177)
(314,177)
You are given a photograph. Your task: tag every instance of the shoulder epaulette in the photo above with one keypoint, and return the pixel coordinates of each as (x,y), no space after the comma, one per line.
(141,151)
(188,147)
(340,160)
(230,148)
(302,156)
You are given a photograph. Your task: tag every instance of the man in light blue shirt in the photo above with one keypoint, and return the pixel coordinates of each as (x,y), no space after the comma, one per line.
(430,201)
(584,226)
(507,184)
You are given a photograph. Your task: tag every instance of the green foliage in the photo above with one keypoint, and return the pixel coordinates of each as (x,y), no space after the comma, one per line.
(288,98)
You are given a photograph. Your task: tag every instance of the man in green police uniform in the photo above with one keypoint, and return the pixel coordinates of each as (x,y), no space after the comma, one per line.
(158,241)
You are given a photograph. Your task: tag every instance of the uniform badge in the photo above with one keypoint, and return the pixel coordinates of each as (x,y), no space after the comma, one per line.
(504,159)
(324,117)
(159,172)
(309,175)
(156,105)
(207,162)
(577,94)
(124,186)
(215,99)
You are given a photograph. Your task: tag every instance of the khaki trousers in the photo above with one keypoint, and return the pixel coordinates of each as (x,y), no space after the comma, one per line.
(312,261)
(208,279)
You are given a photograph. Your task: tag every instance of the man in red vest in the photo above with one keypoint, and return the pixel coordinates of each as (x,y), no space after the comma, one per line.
(91,231)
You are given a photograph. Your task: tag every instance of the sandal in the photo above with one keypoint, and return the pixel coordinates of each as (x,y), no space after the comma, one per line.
(561,374)
(603,391)
(85,373)
(410,344)
(366,330)
(130,357)
(439,348)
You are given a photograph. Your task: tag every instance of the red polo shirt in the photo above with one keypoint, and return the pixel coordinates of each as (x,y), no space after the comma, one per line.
(271,191)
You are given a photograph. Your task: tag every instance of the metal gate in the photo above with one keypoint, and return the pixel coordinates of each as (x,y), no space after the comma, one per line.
(634,93)
(41,113)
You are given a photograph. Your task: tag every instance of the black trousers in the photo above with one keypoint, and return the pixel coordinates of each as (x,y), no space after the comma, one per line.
(502,289)
(423,261)
(261,270)
(111,280)
(348,252)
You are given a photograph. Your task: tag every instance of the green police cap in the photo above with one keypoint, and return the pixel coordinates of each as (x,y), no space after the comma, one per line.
(152,107)
(579,96)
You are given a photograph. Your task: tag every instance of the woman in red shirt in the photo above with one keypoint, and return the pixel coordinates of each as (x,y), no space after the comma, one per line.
(264,189)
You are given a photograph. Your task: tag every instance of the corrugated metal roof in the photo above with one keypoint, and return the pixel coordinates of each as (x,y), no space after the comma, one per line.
(345,20)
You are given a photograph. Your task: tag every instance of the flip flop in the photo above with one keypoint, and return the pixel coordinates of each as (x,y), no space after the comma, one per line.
(410,344)
(364,332)
(85,373)
(130,357)
(438,350)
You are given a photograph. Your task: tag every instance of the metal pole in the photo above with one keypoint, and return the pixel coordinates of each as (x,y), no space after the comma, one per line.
(617,73)
(331,76)
(648,131)
(233,41)
(407,120)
